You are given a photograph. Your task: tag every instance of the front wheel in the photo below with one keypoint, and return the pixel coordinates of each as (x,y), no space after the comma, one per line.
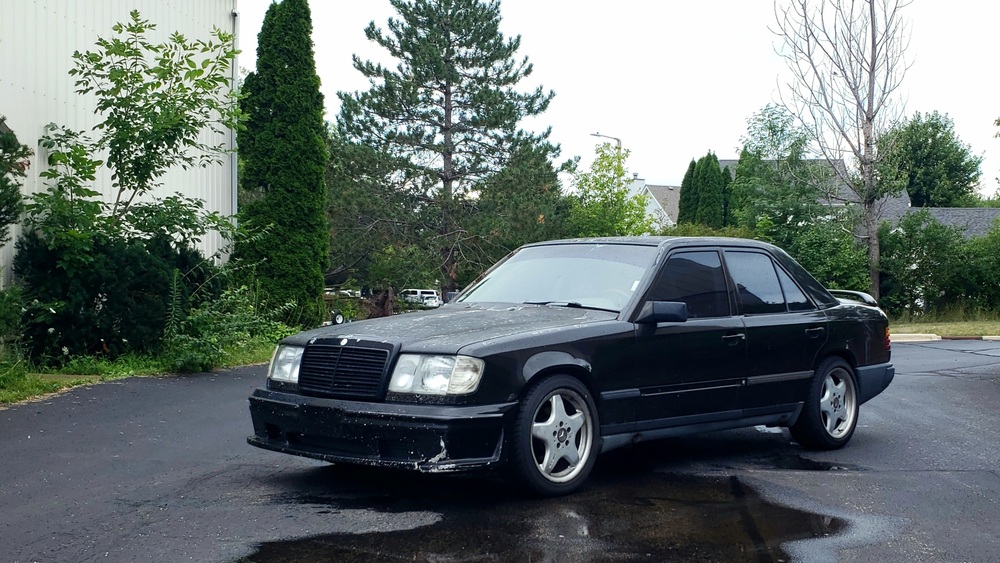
(830,413)
(555,436)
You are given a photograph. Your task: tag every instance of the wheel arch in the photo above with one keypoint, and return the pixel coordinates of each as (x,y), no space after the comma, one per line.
(548,363)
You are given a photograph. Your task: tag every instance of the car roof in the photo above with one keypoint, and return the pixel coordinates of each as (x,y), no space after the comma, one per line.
(663,241)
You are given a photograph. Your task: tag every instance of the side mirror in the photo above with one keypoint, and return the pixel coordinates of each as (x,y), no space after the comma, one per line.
(663,312)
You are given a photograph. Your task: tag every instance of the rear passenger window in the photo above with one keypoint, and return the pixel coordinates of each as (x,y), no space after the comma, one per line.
(797,301)
(697,279)
(756,283)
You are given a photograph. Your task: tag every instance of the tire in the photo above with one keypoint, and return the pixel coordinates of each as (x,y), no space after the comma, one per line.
(830,413)
(555,436)
(338,318)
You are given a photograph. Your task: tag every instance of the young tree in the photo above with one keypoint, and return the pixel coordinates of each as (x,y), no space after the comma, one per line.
(157,100)
(846,60)
(448,114)
(285,155)
(603,205)
(937,169)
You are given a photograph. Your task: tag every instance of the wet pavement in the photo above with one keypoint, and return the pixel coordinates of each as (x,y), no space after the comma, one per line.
(626,513)
(158,469)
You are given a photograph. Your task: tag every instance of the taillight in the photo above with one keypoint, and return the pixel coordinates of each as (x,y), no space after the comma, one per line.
(888,341)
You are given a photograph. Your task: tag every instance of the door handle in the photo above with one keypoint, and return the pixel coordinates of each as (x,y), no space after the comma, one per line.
(814,332)
(734,339)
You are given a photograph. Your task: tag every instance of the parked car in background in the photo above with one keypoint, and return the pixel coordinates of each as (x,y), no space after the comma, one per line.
(432,301)
(569,349)
(419,296)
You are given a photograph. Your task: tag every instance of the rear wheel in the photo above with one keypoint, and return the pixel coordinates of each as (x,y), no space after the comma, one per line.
(830,413)
(555,436)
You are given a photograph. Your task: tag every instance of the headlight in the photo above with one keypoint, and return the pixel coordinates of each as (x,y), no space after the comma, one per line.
(285,364)
(436,375)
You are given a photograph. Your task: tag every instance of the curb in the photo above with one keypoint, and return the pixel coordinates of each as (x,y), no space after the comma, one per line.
(913,337)
(935,337)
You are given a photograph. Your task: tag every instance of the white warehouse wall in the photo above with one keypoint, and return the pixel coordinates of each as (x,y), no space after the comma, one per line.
(37,41)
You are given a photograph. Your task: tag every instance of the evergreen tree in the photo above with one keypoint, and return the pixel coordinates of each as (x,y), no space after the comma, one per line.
(447,114)
(711,199)
(688,204)
(285,154)
(522,203)
(13,162)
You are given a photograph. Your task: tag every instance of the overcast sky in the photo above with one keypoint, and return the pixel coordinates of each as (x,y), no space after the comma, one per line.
(674,80)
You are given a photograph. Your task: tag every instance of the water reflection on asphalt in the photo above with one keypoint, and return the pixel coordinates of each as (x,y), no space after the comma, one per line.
(624,513)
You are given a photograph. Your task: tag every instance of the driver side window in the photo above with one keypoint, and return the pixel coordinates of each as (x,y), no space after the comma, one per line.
(694,278)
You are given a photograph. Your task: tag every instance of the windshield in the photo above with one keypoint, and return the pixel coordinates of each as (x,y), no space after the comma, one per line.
(601,276)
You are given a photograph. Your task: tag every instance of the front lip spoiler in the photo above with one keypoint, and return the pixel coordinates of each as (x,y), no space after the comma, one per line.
(427,466)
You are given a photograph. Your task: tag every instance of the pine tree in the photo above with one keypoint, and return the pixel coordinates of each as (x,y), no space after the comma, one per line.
(447,113)
(284,154)
(711,200)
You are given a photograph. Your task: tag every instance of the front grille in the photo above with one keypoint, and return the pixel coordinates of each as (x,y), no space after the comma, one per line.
(342,371)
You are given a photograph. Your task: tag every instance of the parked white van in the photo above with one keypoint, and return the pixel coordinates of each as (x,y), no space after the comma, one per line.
(420,296)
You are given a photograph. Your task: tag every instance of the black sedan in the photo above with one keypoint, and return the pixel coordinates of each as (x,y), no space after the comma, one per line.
(568,349)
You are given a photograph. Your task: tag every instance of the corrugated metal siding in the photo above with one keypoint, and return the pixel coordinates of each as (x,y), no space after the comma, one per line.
(37,41)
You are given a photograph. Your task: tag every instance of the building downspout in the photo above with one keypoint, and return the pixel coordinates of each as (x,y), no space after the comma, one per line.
(234,161)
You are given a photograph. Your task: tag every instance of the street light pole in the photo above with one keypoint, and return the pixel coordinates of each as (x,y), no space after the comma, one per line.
(616,139)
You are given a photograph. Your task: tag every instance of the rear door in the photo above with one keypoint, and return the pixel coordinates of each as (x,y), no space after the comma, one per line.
(784,332)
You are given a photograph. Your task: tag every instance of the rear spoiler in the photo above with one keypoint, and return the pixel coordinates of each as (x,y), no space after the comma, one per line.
(858,296)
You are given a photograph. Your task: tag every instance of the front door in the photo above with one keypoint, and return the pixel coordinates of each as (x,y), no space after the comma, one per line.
(691,372)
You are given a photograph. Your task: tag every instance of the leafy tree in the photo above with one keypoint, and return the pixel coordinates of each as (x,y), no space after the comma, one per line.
(13,163)
(447,115)
(285,156)
(923,264)
(603,204)
(937,169)
(983,270)
(831,254)
(688,204)
(776,189)
(847,60)
(157,100)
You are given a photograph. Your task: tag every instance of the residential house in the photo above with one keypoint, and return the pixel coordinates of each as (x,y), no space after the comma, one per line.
(661,201)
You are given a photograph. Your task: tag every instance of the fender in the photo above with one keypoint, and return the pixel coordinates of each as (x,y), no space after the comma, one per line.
(544,361)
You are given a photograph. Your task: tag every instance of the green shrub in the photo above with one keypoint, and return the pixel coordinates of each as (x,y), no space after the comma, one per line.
(113,300)
(219,327)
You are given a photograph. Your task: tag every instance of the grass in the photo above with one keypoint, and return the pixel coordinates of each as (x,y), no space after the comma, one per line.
(947,328)
(954,321)
(19,381)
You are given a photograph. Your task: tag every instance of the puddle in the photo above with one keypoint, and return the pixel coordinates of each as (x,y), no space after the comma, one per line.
(620,515)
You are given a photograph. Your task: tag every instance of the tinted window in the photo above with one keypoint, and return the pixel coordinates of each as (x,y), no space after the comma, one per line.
(756,283)
(696,278)
(796,300)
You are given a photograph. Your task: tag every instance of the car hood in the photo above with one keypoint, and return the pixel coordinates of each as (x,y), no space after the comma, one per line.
(450,328)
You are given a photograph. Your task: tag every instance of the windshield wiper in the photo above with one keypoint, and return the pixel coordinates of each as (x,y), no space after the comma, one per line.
(572,304)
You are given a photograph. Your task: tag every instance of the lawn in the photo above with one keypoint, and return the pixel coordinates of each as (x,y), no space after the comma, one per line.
(945,328)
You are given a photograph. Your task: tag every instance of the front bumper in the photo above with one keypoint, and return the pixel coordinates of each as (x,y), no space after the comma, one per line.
(872,380)
(429,438)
